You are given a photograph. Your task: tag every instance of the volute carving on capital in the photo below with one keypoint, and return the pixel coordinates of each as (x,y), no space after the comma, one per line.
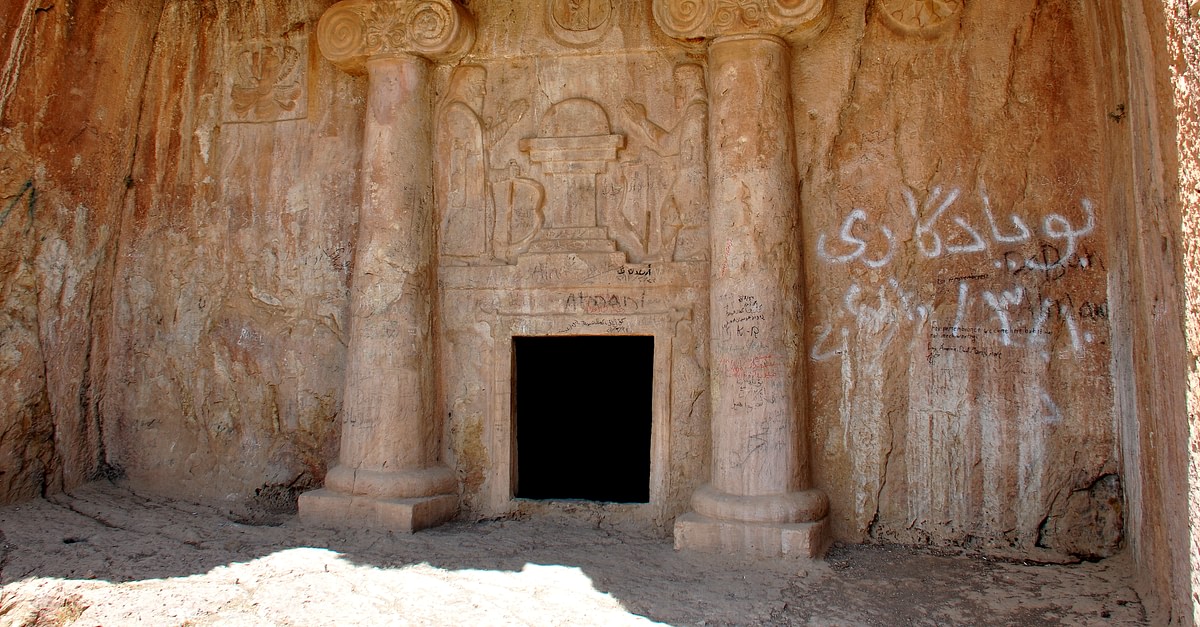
(705,19)
(352,31)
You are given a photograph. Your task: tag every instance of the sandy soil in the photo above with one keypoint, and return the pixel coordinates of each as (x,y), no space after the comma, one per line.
(105,555)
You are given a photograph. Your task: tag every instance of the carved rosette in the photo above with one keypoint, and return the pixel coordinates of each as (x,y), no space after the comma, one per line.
(704,19)
(352,31)
(919,17)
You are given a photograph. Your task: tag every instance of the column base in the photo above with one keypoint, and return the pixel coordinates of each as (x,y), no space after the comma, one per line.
(336,509)
(755,539)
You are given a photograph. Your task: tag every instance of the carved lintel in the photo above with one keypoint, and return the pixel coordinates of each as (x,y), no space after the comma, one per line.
(352,31)
(707,19)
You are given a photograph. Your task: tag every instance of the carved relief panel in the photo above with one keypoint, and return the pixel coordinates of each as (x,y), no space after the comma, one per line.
(593,164)
(268,81)
(571,184)
(919,17)
(464,140)
(579,23)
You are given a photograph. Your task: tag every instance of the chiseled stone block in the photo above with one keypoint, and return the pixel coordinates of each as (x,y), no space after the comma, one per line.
(326,507)
(799,540)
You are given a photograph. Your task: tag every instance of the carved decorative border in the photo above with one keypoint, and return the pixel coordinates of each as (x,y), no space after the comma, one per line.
(661,325)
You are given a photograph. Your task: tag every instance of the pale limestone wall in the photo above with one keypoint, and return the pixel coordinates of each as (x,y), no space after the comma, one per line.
(1183,44)
(175,302)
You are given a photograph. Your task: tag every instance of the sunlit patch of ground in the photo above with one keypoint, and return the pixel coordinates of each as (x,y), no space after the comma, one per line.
(107,556)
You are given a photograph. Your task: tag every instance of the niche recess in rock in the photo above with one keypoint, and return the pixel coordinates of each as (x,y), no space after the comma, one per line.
(582,413)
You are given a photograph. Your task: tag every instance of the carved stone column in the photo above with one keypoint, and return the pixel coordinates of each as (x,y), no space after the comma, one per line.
(389,472)
(759,501)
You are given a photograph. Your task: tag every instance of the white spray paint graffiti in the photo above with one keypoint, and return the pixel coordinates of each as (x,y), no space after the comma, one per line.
(1023,233)
(931,243)
(1010,307)
(860,246)
(1001,305)
(1020,312)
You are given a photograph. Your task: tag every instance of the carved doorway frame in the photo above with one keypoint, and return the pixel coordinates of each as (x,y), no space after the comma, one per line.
(500,426)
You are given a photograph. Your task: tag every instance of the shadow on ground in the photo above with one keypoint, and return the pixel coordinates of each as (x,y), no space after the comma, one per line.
(108,555)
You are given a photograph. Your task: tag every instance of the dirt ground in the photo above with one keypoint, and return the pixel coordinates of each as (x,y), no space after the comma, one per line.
(106,555)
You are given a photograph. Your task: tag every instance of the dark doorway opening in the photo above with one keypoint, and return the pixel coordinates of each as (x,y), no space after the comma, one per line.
(583,411)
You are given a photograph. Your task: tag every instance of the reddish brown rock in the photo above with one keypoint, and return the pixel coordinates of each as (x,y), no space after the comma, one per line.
(971,226)
(68,98)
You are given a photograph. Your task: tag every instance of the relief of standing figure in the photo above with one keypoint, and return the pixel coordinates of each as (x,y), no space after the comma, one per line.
(684,211)
(464,136)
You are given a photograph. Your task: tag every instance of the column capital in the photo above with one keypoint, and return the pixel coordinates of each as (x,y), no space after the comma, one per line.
(708,19)
(352,31)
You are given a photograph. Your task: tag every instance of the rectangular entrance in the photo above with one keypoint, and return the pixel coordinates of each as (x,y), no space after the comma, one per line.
(583,410)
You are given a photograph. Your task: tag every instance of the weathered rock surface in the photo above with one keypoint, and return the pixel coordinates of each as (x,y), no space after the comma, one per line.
(230,285)
(179,198)
(957,277)
(70,92)
(216,201)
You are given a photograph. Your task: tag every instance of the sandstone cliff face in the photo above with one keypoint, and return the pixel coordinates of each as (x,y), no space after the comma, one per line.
(175,247)
(178,193)
(69,93)
(957,279)
(229,290)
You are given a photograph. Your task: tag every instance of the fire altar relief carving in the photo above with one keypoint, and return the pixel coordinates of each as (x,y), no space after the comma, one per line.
(572,184)
(573,146)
